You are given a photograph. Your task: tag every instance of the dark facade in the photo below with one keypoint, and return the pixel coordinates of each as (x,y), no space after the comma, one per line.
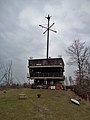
(46,71)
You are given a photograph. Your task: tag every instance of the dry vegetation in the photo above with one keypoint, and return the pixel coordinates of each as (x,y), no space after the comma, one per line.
(52,105)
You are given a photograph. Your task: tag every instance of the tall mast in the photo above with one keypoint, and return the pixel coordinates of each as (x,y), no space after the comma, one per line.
(47,30)
(48,35)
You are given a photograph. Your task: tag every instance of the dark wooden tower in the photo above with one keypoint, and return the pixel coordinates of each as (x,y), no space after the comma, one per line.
(46,71)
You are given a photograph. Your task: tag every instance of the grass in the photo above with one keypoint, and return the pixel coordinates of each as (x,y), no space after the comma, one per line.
(52,105)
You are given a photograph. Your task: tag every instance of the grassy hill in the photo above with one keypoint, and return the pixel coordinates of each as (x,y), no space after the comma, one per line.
(52,105)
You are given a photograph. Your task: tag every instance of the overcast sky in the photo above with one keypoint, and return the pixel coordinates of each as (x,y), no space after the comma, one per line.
(22,38)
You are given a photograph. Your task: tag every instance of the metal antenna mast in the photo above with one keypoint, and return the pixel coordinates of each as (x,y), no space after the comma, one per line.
(47,30)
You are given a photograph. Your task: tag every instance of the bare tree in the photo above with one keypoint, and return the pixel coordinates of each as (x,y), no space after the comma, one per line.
(79,56)
(70,80)
(66,81)
(8,77)
(6,73)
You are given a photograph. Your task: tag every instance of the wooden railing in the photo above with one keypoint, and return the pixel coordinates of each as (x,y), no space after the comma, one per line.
(46,75)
